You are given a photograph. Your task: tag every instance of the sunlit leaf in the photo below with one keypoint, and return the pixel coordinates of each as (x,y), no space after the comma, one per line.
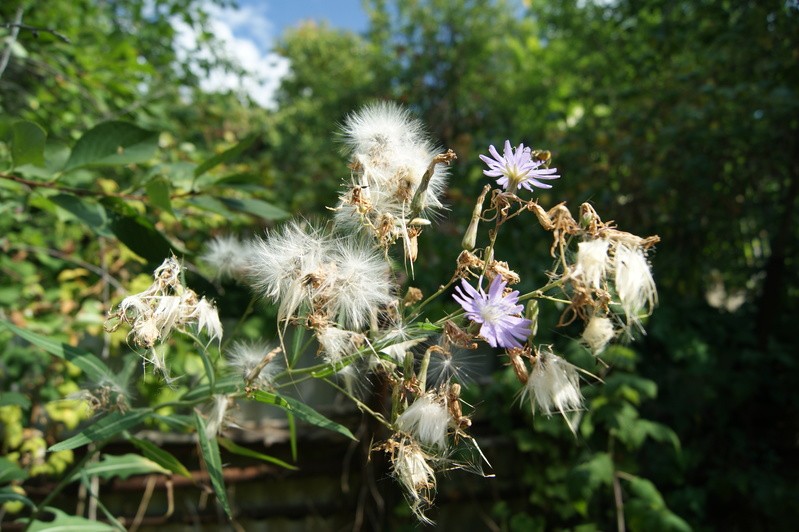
(64,522)
(113,143)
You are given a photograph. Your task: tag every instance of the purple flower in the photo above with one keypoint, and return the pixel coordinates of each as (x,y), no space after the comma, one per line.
(517,168)
(502,327)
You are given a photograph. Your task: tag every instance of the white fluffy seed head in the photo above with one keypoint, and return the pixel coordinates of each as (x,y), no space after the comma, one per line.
(361,285)
(635,285)
(390,153)
(598,332)
(208,319)
(338,343)
(244,357)
(554,386)
(427,420)
(228,256)
(592,262)
(287,265)
(216,416)
(414,473)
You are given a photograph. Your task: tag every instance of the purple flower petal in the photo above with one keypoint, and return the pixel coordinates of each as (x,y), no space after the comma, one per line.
(497,312)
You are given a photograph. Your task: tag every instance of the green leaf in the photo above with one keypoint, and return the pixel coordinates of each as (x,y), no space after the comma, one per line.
(302,411)
(102,429)
(210,204)
(161,457)
(10,471)
(90,213)
(225,156)
(67,523)
(27,143)
(589,476)
(243,451)
(213,463)
(226,385)
(113,143)
(646,490)
(137,232)
(93,367)
(8,495)
(256,207)
(158,192)
(14,399)
(122,466)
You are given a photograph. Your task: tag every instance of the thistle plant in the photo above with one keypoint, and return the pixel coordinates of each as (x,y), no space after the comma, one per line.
(348,282)
(339,282)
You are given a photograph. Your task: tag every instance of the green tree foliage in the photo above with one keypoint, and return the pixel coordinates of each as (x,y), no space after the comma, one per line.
(677,118)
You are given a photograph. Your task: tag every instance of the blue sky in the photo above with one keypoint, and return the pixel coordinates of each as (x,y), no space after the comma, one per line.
(282,14)
(248,33)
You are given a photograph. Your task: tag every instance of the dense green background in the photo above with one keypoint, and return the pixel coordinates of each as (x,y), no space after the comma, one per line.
(677,118)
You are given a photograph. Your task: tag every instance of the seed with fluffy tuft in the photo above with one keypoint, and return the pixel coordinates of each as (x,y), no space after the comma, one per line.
(427,420)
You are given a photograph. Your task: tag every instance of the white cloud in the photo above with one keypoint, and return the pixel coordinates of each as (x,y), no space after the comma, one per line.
(244,36)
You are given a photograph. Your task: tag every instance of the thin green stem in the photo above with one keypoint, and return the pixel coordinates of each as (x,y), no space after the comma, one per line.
(244,316)
(361,405)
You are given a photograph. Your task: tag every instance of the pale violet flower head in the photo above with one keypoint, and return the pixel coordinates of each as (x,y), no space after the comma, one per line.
(592,262)
(554,386)
(426,420)
(516,168)
(635,285)
(499,313)
(227,256)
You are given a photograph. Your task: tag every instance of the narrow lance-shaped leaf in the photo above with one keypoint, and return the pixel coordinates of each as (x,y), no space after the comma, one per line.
(8,495)
(213,462)
(302,411)
(93,367)
(244,451)
(123,466)
(102,429)
(160,456)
